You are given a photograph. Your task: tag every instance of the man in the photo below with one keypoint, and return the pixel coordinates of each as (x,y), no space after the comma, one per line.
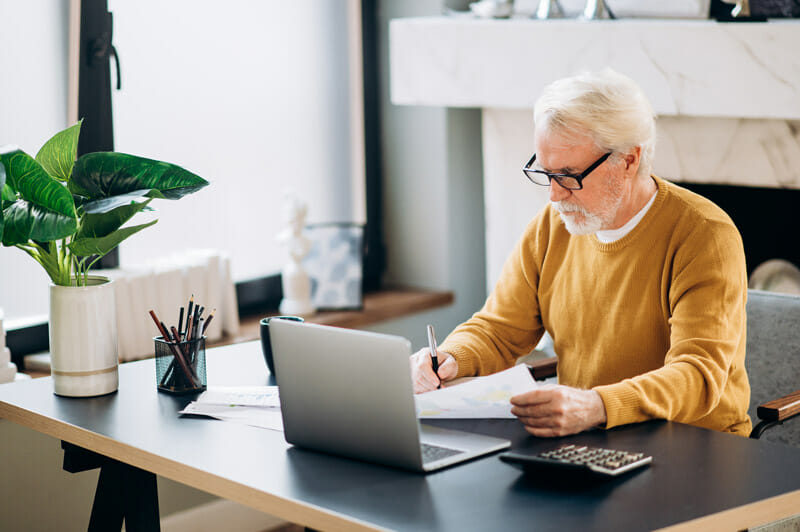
(640,283)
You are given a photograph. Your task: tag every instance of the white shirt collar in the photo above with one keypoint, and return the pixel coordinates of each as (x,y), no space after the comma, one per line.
(612,235)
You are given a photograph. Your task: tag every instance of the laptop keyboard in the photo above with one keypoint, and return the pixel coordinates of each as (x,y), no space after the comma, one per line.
(431,453)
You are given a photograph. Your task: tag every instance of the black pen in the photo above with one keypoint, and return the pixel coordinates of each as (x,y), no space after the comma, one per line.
(434,354)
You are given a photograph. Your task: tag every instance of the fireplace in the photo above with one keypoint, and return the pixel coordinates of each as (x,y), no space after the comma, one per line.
(766,219)
(735,127)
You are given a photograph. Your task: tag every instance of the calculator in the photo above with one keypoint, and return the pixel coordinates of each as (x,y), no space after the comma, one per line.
(579,458)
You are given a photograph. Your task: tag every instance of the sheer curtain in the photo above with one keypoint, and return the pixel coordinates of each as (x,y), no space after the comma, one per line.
(255,96)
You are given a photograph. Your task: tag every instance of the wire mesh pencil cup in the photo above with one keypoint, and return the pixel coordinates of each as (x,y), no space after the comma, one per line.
(180,366)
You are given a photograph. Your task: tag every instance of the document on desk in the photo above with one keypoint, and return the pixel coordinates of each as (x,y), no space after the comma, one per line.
(258,406)
(481,397)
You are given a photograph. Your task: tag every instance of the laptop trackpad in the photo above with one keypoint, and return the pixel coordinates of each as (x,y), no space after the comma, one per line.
(460,440)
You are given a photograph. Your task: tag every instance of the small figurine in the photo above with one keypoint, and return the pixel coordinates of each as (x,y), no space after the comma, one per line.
(8,370)
(294,279)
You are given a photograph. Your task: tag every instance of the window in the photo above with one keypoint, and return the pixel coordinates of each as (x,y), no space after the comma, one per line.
(257,97)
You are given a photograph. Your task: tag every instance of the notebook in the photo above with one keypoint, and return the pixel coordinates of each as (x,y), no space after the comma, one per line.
(349,393)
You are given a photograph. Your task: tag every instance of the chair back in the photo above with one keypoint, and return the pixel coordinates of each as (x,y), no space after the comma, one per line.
(773,356)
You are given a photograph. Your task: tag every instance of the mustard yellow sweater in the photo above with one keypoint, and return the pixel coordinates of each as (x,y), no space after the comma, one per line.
(654,322)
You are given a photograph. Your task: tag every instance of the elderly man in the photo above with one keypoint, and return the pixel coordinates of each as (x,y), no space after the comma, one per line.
(641,284)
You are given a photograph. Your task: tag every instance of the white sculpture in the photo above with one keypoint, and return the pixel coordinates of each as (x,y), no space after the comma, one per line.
(8,370)
(294,279)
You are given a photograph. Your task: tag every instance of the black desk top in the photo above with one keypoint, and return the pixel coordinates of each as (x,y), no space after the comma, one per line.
(695,472)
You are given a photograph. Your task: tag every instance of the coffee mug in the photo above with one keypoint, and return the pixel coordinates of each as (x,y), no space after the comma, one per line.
(266,346)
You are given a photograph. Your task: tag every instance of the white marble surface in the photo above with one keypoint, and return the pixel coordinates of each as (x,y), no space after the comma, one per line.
(627,8)
(764,153)
(687,67)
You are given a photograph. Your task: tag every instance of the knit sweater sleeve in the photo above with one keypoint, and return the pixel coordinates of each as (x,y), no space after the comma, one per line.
(509,325)
(707,296)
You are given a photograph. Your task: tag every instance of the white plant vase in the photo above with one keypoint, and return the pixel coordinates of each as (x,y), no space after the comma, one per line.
(83,338)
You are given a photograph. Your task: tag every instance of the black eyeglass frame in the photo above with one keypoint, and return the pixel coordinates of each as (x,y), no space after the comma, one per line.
(560,178)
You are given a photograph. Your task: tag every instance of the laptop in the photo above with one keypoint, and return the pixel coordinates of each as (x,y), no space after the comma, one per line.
(349,393)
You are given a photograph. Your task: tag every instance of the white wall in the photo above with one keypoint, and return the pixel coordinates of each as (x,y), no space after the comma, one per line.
(33,107)
(433,197)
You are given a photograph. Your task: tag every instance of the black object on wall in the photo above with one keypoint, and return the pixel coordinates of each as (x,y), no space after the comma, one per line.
(94,78)
(760,10)
(374,248)
(94,88)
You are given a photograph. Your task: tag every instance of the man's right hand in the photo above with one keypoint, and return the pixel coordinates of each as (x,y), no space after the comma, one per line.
(422,374)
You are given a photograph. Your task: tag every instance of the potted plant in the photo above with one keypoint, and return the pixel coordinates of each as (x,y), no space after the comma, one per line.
(66,213)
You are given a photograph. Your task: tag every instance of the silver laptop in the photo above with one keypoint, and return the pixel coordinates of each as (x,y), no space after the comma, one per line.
(349,393)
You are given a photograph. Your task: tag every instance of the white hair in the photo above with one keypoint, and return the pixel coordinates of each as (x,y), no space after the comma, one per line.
(607,106)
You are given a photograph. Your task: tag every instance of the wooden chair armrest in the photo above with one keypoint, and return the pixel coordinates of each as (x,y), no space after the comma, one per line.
(780,409)
(543,368)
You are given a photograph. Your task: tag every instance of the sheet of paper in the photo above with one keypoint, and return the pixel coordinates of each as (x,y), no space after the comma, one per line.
(241,396)
(481,397)
(267,417)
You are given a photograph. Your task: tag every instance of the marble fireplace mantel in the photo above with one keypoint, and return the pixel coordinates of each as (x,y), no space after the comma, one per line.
(727,95)
(686,67)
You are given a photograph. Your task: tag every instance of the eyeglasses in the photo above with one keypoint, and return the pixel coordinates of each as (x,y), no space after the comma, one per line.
(569,181)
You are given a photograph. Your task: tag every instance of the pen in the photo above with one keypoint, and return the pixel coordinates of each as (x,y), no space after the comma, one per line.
(434,355)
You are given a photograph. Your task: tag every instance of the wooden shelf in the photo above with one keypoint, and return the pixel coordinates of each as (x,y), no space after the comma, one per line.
(378,306)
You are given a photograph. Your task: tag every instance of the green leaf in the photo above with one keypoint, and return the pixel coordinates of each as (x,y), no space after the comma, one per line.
(59,153)
(108,204)
(106,222)
(44,210)
(106,174)
(24,221)
(2,196)
(8,194)
(29,179)
(86,247)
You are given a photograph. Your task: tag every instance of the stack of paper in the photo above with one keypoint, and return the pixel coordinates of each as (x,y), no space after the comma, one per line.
(481,397)
(258,406)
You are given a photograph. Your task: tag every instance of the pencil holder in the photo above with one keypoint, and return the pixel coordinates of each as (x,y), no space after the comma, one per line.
(180,366)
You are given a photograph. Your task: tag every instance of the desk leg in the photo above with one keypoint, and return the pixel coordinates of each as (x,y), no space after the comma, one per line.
(124,493)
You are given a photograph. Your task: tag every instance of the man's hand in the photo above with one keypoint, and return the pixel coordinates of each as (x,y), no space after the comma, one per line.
(422,374)
(556,410)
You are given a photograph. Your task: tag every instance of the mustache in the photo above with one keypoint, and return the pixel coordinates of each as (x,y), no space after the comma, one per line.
(563,206)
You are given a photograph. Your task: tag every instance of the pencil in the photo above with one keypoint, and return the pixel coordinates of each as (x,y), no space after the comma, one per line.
(189,312)
(210,317)
(180,323)
(174,348)
(189,323)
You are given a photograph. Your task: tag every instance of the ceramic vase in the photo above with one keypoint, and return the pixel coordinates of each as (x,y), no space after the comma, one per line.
(83,338)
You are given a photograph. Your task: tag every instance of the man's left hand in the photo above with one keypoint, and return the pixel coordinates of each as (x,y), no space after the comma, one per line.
(556,410)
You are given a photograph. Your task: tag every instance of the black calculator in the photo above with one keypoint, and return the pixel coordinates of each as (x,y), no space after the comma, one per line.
(579,458)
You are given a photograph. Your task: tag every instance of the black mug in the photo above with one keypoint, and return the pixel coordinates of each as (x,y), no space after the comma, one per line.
(266,346)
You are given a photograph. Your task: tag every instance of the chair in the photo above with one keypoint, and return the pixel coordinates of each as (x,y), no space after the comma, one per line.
(772,363)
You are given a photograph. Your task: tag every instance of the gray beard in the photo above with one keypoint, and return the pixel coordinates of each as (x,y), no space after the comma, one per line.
(591,223)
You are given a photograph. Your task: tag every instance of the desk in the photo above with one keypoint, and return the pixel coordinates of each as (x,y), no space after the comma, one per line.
(733,481)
